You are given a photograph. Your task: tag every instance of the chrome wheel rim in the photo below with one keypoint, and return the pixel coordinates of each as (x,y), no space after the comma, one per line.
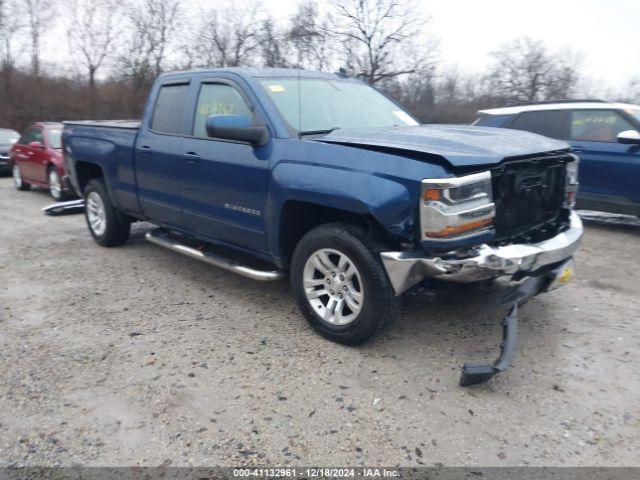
(333,286)
(55,187)
(96,214)
(17,178)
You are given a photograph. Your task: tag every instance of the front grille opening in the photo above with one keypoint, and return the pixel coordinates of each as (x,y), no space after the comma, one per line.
(529,195)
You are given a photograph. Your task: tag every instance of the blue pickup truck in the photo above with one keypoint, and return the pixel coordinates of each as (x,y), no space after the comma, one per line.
(274,172)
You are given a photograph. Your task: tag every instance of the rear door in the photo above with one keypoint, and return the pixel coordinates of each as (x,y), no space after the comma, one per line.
(158,155)
(225,182)
(41,157)
(609,170)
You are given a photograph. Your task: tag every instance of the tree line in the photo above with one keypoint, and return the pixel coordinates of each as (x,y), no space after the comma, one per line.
(110,51)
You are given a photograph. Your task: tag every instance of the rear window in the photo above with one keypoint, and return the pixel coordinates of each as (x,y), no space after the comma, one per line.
(34,134)
(169,110)
(548,123)
(492,120)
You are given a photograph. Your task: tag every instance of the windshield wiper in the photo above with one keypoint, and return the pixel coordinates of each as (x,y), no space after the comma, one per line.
(318,132)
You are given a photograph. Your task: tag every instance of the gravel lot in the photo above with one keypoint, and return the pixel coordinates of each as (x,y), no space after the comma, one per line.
(139,356)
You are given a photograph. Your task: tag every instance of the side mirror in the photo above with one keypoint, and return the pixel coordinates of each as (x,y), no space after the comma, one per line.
(36,144)
(629,137)
(236,127)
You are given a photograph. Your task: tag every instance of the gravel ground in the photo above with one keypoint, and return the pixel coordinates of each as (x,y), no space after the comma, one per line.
(139,356)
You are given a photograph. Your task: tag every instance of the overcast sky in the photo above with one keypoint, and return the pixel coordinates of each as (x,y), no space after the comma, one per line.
(606,31)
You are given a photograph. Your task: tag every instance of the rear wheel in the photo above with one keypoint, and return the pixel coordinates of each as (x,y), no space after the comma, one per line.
(55,184)
(19,183)
(108,226)
(340,284)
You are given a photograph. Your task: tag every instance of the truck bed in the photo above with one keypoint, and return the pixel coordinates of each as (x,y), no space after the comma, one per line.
(109,145)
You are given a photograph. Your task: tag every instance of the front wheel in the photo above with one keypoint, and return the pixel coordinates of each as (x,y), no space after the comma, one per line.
(19,183)
(340,284)
(108,226)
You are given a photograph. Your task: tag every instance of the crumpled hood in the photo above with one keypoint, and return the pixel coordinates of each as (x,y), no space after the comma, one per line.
(460,145)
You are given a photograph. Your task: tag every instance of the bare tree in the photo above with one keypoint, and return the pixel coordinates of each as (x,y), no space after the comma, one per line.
(228,36)
(273,45)
(379,37)
(525,69)
(153,25)
(9,26)
(39,17)
(632,90)
(92,30)
(309,38)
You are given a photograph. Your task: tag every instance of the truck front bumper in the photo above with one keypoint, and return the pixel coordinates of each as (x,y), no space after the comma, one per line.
(482,262)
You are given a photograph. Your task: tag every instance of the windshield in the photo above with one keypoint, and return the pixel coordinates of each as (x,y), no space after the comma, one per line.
(55,138)
(8,137)
(310,105)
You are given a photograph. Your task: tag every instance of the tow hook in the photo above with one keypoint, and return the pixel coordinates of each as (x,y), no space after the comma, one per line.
(474,373)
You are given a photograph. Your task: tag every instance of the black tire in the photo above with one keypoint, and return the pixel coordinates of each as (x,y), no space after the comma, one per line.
(61,194)
(117,225)
(18,181)
(379,305)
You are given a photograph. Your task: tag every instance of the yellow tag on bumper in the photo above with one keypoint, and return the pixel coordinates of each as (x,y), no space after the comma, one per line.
(564,276)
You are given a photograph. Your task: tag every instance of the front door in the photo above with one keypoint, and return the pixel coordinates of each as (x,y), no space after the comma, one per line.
(28,156)
(225,182)
(609,170)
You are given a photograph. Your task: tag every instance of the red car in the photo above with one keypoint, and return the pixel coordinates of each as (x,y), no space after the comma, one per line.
(37,160)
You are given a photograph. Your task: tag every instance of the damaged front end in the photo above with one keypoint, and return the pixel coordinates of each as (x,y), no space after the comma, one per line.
(514,297)
(514,221)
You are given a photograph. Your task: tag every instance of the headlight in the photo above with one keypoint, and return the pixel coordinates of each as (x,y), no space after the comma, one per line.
(571,183)
(452,208)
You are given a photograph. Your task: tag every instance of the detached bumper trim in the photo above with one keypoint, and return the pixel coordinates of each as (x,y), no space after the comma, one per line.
(405,269)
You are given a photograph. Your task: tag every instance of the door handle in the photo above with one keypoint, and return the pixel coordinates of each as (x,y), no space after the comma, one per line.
(191,157)
(145,150)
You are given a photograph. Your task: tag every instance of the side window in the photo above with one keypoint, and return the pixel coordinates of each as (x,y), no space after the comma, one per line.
(216,99)
(169,109)
(55,138)
(38,136)
(597,125)
(550,123)
(31,135)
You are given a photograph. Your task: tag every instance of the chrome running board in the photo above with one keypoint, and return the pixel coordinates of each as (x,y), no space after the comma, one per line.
(163,238)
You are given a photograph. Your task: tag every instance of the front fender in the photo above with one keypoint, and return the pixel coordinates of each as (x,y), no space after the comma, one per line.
(390,201)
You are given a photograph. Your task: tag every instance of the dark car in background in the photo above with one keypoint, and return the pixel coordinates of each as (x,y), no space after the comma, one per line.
(8,138)
(36,159)
(606,137)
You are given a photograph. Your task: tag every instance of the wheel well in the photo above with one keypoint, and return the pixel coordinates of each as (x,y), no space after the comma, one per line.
(86,171)
(298,218)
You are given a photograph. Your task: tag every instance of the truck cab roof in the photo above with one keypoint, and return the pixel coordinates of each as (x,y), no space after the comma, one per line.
(265,72)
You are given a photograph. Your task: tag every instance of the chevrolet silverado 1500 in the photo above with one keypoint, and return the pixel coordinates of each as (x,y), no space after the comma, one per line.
(267,172)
